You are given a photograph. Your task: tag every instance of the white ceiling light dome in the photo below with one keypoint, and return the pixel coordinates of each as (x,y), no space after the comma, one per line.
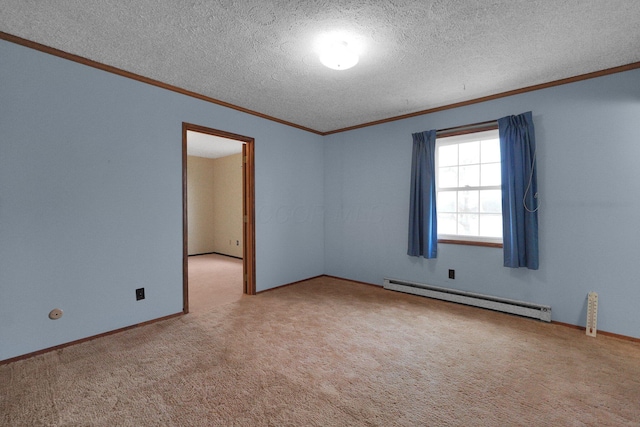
(339,49)
(338,55)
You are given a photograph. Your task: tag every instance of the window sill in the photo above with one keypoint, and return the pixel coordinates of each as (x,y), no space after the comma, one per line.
(470,243)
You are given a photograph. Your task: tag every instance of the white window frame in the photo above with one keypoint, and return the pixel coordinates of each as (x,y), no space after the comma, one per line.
(444,140)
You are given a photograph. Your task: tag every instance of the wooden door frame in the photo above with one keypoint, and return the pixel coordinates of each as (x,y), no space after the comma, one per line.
(248,210)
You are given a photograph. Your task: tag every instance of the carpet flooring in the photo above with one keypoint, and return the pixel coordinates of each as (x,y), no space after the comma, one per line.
(329,352)
(213,280)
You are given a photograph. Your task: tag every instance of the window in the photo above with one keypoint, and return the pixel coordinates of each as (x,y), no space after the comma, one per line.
(468,186)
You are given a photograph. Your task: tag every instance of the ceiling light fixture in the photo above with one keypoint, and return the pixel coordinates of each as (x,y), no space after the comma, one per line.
(338,56)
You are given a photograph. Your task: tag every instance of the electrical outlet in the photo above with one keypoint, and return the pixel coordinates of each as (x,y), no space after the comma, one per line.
(452,274)
(237,242)
(139,294)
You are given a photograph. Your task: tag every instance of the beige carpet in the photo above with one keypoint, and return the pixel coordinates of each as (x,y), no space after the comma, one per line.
(213,280)
(328,352)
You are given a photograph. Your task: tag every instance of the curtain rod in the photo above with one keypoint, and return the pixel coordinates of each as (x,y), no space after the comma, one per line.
(474,127)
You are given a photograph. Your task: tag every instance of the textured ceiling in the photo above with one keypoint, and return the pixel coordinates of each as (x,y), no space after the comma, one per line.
(213,147)
(415,55)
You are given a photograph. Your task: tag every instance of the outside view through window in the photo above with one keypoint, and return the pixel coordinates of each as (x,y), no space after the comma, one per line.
(469,187)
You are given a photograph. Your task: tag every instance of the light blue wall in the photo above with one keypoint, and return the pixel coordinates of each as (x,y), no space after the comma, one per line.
(91,202)
(588,137)
(91,199)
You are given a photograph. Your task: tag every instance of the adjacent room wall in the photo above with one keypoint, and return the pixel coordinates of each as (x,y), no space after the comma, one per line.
(227,205)
(214,199)
(588,138)
(91,199)
(200,205)
(214,188)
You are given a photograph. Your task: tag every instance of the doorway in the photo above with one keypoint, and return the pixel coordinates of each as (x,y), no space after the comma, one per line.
(248,208)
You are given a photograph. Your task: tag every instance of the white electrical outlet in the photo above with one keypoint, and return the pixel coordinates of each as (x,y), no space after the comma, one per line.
(592,314)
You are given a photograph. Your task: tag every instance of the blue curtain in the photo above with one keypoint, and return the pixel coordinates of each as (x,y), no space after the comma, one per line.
(423,232)
(519,191)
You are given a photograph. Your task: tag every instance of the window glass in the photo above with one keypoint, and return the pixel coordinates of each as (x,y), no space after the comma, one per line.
(491,151)
(449,177)
(469,176)
(490,174)
(448,155)
(491,201)
(468,201)
(491,225)
(447,201)
(469,153)
(468,182)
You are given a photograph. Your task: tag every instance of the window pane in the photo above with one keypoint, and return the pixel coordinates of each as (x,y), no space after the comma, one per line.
(470,176)
(448,177)
(468,201)
(490,174)
(490,201)
(491,151)
(470,153)
(468,224)
(468,185)
(448,155)
(491,225)
(447,201)
(447,223)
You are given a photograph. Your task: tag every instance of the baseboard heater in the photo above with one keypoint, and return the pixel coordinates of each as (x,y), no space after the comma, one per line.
(521,308)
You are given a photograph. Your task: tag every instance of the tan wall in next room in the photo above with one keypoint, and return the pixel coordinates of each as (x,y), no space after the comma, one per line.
(227,207)
(214,205)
